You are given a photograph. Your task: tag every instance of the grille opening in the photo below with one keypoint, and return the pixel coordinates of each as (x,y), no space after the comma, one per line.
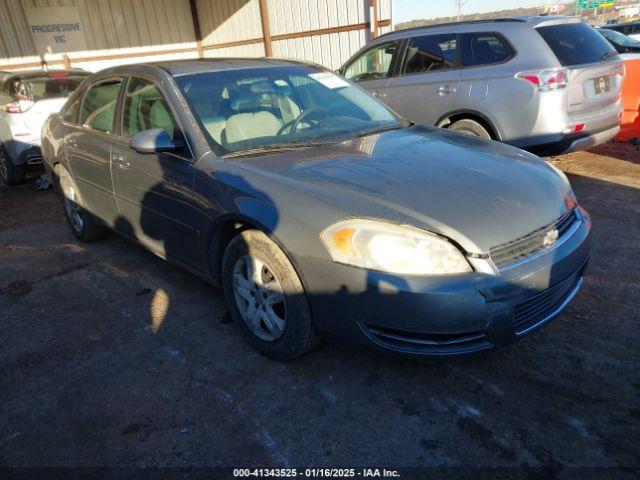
(542,307)
(523,247)
(428,342)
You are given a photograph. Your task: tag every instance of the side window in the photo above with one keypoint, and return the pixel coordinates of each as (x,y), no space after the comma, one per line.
(373,64)
(99,106)
(145,108)
(431,53)
(70,115)
(483,49)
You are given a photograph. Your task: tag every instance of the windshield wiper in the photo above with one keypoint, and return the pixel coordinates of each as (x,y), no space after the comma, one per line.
(280,147)
(373,131)
(604,56)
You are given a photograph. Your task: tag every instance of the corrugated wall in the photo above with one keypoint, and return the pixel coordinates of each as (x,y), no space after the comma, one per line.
(128,31)
(111,28)
(330,49)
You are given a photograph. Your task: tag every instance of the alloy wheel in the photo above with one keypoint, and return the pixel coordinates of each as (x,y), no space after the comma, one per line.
(72,209)
(259,298)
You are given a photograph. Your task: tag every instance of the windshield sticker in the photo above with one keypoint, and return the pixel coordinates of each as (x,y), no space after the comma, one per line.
(329,80)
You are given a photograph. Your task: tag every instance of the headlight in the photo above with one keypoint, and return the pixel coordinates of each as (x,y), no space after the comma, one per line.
(392,248)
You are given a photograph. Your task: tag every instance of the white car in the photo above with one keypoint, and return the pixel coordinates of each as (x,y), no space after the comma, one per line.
(27,98)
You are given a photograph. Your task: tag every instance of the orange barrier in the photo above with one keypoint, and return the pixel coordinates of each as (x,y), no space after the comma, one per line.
(630,124)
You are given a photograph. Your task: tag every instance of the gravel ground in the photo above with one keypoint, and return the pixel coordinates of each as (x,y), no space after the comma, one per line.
(113,357)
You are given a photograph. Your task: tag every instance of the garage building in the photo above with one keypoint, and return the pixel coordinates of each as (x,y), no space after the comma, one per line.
(96,34)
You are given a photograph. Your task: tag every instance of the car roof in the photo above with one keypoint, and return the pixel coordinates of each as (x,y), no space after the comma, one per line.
(530,21)
(177,68)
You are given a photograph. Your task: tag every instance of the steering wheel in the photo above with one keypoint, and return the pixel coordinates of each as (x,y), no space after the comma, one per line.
(297,121)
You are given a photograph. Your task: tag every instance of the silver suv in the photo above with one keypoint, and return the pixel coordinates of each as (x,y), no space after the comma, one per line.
(547,84)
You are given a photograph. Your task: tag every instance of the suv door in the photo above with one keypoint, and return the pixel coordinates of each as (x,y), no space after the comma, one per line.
(154,191)
(372,68)
(88,148)
(428,78)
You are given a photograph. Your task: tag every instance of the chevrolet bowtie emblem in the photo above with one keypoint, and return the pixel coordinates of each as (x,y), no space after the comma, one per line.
(550,237)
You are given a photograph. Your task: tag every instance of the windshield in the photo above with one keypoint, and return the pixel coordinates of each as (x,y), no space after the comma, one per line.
(280,106)
(619,38)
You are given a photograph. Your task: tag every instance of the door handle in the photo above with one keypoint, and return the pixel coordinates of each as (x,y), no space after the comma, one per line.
(444,90)
(121,160)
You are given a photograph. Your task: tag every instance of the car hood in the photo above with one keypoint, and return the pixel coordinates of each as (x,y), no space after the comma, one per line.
(479,193)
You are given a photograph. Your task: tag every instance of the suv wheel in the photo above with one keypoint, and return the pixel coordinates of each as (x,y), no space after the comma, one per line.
(83,225)
(10,174)
(265,297)
(470,127)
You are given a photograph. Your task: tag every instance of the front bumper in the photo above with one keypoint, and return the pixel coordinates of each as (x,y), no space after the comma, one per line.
(445,315)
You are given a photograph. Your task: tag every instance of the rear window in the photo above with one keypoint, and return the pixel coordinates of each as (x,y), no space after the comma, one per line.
(35,89)
(576,43)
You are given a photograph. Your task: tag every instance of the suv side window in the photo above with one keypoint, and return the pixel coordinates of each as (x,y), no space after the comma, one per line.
(483,49)
(373,64)
(431,53)
(99,105)
(145,108)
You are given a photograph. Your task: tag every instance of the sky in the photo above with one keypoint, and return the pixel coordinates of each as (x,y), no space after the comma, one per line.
(405,10)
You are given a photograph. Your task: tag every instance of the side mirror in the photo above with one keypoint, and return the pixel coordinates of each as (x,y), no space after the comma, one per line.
(154,140)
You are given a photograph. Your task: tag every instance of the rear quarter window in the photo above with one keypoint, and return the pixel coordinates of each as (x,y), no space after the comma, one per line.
(483,49)
(576,43)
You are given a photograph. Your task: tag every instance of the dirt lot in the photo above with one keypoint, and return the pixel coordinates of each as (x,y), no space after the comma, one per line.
(112,357)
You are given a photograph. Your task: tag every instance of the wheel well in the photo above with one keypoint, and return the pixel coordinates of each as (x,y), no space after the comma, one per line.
(486,124)
(218,241)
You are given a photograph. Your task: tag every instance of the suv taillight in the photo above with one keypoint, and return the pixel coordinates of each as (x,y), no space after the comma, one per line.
(545,80)
(17,106)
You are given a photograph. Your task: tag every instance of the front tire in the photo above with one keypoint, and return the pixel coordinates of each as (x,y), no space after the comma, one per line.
(83,225)
(265,297)
(470,127)
(10,174)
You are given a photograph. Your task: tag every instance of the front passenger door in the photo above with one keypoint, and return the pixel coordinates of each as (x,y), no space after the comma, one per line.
(154,191)
(371,69)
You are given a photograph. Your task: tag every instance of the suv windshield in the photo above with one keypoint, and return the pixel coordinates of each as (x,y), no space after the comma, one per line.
(576,43)
(39,88)
(280,106)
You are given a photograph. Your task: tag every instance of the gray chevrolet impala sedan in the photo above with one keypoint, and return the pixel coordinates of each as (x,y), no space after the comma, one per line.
(319,212)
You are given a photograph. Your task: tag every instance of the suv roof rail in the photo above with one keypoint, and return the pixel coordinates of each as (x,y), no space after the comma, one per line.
(464,22)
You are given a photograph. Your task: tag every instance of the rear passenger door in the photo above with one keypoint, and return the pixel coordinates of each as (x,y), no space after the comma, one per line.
(486,83)
(154,191)
(428,78)
(88,147)
(372,68)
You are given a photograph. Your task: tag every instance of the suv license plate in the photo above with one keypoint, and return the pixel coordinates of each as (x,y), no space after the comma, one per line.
(602,85)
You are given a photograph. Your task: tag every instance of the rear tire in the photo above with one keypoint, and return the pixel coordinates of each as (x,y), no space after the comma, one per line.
(83,225)
(470,127)
(265,297)
(10,174)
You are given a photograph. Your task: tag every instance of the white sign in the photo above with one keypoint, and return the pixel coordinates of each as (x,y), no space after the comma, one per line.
(329,80)
(56,29)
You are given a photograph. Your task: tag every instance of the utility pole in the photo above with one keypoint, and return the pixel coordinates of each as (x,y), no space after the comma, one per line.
(459,5)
